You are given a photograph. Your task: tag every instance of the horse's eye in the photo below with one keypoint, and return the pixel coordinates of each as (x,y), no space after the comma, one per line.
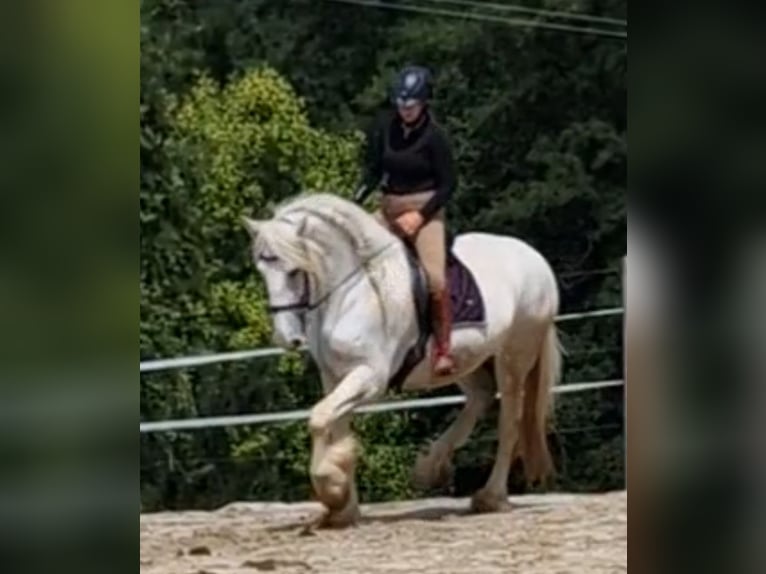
(293,273)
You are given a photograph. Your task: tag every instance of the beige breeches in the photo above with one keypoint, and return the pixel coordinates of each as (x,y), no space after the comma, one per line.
(429,242)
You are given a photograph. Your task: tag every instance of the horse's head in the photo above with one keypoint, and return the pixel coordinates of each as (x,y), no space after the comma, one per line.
(314,245)
(277,254)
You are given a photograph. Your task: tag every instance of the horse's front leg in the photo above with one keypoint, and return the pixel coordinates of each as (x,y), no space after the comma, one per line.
(334,447)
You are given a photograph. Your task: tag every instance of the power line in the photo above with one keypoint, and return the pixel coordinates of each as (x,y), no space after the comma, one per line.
(487,18)
(534,11)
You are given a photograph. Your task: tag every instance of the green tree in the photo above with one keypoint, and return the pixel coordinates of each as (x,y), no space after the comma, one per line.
(245,102)
(227,151)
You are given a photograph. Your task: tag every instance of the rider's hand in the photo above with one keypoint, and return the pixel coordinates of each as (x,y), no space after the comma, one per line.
(410,222)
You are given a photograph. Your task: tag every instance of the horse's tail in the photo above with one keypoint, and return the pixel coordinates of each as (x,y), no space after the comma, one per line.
(538,406)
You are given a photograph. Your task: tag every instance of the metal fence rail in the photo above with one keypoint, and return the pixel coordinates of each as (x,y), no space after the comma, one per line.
(200,360)
(287,416)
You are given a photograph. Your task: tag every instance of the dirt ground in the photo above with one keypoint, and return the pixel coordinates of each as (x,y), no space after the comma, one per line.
(550,534)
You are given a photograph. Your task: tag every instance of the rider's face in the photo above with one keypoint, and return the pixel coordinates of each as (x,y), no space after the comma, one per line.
(410,113)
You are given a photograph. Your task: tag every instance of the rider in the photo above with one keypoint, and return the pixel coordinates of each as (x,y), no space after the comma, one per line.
(410,156)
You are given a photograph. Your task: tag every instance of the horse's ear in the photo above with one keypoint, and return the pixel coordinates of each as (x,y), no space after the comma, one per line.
(252,225)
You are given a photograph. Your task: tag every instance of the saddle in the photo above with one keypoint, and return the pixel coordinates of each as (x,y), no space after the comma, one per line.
(467,306)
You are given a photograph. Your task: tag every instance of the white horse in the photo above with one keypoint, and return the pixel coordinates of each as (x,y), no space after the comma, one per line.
(339,282)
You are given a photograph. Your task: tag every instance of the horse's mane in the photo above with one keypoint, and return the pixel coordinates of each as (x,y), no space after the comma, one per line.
(341,220)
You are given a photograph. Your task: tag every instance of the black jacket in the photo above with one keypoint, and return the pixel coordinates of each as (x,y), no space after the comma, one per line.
(418,161)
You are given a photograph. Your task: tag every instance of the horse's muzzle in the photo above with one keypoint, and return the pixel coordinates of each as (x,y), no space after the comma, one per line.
(296,343)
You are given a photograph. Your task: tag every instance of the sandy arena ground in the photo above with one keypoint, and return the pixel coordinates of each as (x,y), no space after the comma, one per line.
(551,534)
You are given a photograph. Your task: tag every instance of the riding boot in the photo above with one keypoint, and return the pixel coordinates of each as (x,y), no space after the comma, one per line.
(443,363)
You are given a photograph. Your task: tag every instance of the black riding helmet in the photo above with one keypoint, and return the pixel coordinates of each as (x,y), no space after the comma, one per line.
(412,84)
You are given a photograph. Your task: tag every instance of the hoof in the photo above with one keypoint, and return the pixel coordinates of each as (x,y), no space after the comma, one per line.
(430,473)
(332,492)
(330,519)
(484,502)
(333,477)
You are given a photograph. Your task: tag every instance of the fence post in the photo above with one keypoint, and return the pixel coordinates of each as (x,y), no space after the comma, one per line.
(625,368)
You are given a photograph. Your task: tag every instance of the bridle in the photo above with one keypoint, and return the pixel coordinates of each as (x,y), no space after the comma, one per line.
(304,303)
(301,305)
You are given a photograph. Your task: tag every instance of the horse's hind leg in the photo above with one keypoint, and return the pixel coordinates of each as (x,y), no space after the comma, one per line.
(434,468)
(510,378)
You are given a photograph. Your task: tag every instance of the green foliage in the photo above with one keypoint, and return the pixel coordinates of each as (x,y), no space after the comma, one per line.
(274,460)
(247,102)
(388,455)
(218,152)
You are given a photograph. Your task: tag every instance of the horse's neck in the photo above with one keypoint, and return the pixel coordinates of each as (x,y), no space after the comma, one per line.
(346,270)
(389,326)
(383,274)
(331,287)
(338,270)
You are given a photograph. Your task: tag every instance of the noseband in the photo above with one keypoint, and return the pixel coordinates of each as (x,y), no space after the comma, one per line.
(302,305)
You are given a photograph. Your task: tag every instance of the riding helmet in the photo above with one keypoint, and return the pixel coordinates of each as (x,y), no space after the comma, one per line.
(411,85)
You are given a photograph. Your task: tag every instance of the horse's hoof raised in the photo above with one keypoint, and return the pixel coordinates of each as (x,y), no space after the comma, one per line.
(430,472)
